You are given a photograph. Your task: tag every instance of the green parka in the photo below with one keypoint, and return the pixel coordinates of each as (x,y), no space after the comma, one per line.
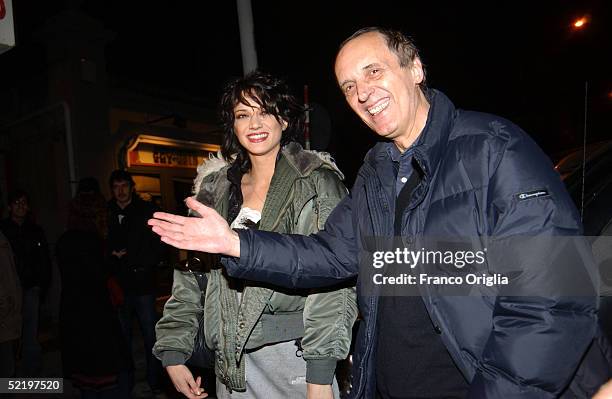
(305,187)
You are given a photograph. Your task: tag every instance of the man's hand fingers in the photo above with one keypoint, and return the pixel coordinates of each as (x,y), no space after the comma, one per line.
(168,217)
(200,208)
(160,231)
(210,233)
(178,236)
(181,244)
(167,226)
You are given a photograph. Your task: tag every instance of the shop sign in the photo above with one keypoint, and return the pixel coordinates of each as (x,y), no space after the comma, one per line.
(168,153)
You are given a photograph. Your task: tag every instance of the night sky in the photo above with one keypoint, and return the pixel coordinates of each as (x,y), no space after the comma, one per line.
(518,59)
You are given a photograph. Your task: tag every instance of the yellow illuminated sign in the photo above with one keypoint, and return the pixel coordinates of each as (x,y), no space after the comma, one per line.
(168,153)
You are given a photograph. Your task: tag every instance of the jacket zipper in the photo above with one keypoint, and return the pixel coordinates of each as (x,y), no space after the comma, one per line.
(373,306)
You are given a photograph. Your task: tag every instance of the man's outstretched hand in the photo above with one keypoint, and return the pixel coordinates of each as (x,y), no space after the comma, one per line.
(210,233)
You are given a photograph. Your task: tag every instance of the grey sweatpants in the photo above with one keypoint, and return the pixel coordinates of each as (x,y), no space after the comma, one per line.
(273,372)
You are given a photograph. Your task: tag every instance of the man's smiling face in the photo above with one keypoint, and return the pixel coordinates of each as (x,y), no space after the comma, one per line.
(385,95)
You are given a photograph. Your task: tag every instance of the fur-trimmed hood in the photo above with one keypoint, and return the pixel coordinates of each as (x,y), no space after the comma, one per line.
(303,161)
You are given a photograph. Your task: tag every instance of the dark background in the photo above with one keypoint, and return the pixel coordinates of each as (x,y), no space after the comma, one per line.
(518,59)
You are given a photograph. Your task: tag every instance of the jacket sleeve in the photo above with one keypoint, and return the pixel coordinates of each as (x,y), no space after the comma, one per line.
(536,342)
(177,329)
(323,259)
(328,314)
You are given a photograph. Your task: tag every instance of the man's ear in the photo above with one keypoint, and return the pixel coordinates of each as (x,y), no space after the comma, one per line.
(416,69)
(284,124)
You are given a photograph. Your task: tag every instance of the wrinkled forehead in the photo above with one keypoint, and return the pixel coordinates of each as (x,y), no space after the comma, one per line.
(362,51)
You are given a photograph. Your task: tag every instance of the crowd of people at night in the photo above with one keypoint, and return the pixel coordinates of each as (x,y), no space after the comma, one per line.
(107,261)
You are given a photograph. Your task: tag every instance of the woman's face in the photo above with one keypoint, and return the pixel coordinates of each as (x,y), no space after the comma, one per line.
(257,131)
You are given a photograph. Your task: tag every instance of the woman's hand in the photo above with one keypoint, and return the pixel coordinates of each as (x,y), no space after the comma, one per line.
(316,391)
(184,383)
(208,233)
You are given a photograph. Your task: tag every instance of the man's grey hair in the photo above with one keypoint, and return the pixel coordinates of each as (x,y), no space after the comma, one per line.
(400,44)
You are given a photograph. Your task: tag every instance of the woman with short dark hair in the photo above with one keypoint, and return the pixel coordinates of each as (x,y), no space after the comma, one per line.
(268,342)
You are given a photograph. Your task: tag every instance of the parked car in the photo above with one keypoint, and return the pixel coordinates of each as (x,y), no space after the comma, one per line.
(596,209)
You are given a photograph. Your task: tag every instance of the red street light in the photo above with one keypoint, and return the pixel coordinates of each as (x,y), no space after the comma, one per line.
(580,23)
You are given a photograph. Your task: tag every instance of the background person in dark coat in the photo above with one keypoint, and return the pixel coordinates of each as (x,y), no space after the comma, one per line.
(34,269)
(134,255)
(94,353)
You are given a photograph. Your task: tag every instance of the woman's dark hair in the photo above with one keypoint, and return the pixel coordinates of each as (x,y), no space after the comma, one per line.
(271,94)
